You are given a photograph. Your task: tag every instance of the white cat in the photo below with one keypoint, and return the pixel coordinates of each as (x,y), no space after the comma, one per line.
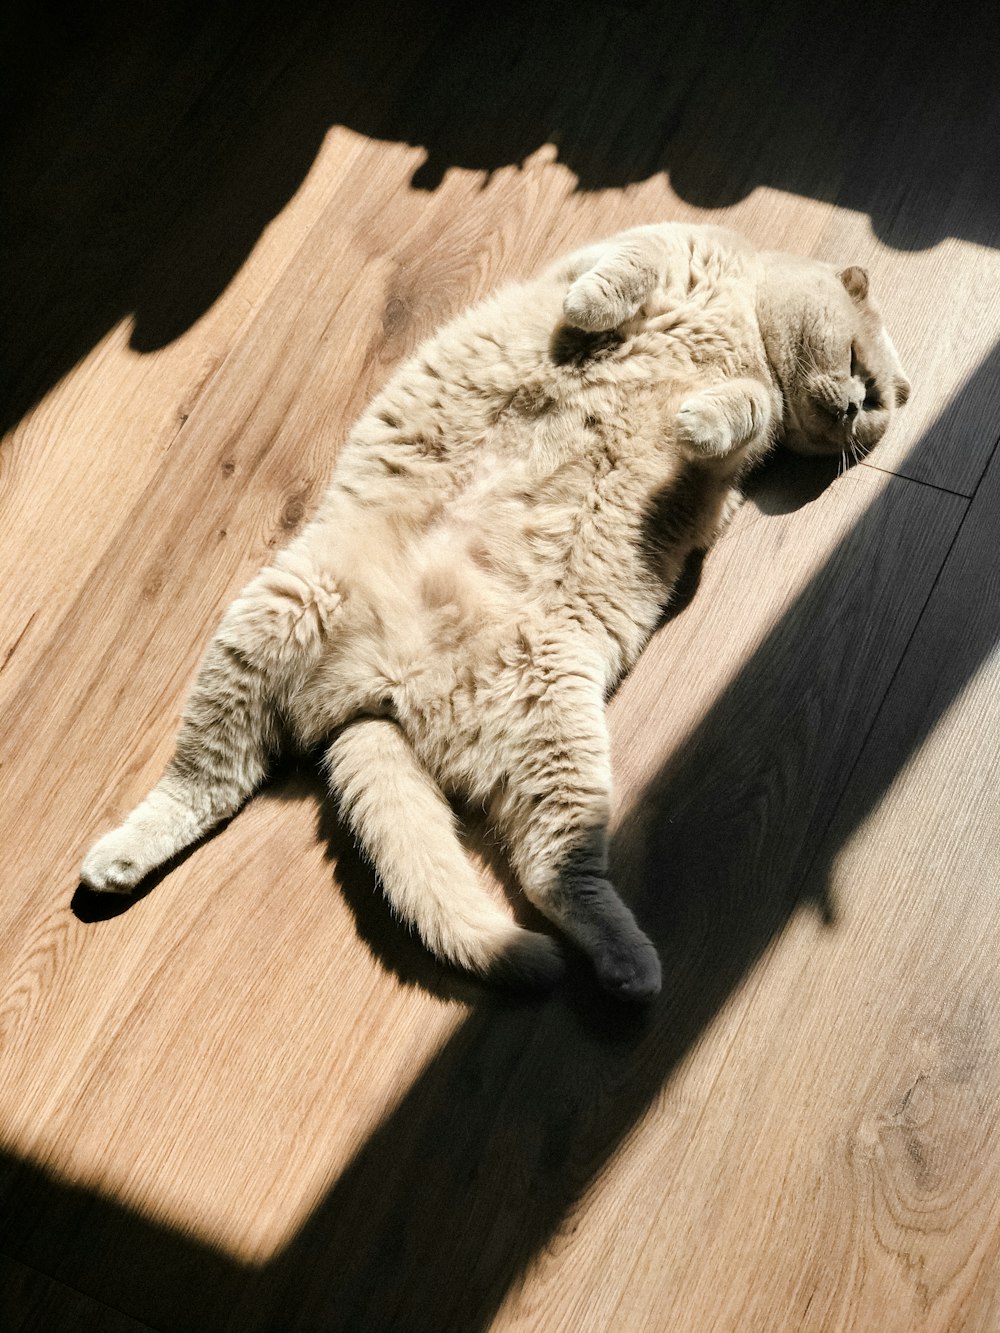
(503,529)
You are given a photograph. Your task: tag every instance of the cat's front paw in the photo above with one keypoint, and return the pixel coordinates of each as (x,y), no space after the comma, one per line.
(702,428)
(596,305)
(117,862)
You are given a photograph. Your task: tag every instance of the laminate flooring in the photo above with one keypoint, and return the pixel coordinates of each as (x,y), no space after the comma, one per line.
(251,1101)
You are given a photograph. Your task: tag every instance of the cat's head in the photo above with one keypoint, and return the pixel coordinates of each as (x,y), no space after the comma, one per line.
(839,374)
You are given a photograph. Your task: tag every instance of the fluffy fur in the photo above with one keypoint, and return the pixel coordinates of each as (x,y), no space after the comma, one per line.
(503,529)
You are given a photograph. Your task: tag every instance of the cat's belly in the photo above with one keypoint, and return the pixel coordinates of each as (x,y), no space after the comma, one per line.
(454,644)
(449,608)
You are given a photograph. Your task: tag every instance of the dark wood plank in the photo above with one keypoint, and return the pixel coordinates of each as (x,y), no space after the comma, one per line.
(30,1302)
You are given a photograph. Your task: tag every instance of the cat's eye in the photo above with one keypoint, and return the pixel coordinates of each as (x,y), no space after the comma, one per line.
(873,399)
(855,363)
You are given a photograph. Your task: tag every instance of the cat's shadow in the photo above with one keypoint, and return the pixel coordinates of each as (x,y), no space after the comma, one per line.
(787,481)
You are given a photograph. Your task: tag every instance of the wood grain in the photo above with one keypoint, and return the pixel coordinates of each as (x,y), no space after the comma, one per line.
(252,1101)
(33,1303)
(868,1194)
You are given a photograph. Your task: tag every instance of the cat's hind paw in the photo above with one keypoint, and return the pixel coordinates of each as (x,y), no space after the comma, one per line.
(630,970)
(118,862)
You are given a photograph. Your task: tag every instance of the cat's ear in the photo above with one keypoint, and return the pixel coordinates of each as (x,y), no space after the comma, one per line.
(855,279)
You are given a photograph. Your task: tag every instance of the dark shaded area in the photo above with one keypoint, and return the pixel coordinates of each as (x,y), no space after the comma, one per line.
(168,1273)
(90,907)
(506,1128)
(145,149)
(790,481)
(470,1176)
(686,587)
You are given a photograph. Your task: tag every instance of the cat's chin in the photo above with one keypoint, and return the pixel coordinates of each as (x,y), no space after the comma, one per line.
(819,446)
(816,444)
(811,447)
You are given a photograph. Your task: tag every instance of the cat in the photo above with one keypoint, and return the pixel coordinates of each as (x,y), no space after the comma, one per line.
(502,532)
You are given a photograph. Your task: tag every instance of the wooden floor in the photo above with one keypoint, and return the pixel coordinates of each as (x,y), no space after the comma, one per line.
(250,1101)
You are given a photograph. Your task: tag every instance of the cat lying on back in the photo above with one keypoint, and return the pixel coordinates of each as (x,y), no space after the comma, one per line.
(503,529)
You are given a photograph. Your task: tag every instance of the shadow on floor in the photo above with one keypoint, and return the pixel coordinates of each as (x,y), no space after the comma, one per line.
(145,149)
(512,1121)
(470,1176)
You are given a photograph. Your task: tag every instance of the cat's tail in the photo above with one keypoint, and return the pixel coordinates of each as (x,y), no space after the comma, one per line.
(407,828)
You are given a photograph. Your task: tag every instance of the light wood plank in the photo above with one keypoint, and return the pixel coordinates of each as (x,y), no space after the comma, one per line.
(163,1028)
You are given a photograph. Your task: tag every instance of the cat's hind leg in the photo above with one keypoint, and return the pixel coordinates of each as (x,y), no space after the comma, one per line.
(554,813)
(404,824)
(268,637)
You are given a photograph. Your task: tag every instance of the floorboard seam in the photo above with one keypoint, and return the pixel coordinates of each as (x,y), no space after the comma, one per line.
(931,485)
(86,1295)
(821,839)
